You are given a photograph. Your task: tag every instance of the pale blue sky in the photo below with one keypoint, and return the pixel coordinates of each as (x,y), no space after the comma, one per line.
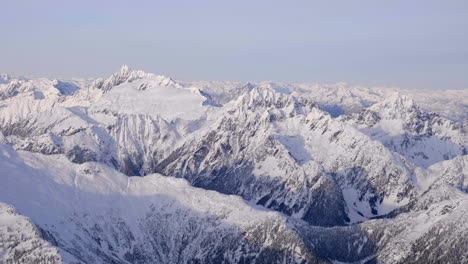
(411,43)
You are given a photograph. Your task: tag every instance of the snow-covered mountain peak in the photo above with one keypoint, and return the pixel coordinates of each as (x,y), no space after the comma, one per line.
(261,96)
(276,87)
(401,114)
(401,100)
(124,69)
(317,114)
(7,77)
(394,114)
(396,106)
(402,126)
(153,95)
(271,104)
(125,74)
(4,78)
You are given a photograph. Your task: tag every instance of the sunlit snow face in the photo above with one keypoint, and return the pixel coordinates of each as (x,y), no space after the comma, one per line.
(168,101)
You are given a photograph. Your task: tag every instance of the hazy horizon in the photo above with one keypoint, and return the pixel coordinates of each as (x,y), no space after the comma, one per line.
(418,44)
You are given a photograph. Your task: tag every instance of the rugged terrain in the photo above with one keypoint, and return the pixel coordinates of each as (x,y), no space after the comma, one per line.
(269,172)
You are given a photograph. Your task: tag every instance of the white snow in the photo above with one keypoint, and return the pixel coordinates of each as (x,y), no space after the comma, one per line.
(146,117)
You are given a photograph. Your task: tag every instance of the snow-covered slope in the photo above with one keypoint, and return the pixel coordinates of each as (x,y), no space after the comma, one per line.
(94,214)
(90,213)
(329,159)
(21,241)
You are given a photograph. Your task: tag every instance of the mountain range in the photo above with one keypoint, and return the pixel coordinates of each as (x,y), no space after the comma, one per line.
(142,168)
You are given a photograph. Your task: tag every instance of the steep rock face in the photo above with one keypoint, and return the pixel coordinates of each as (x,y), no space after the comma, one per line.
(131,143)
(141,141)
(452,172)
(373,181)
(10,90)
(445,241)
(429,229)
(432,231)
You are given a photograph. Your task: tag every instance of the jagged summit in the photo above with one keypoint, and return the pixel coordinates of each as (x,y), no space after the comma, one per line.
(124,69)
(422,137)
(4,77)
(395,106)
(125,74)
(400,100)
